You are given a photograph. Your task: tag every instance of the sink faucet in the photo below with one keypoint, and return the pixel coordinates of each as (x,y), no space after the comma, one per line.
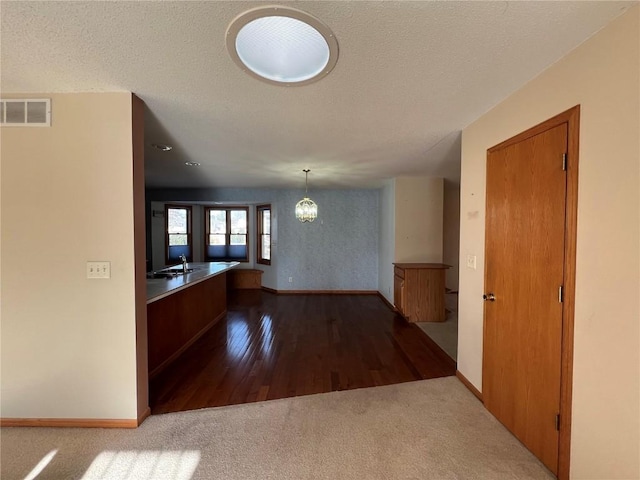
(184,263)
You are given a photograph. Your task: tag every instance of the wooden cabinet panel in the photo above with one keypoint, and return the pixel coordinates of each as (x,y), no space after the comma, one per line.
(244,279)
(176,321)
(419,291)
(398,272)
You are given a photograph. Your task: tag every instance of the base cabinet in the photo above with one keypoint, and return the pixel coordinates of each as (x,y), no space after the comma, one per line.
(419,290)
(178,320)
(239,279)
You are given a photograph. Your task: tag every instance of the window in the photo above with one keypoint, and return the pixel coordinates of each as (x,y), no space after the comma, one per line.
(178,228)
(227,234)
(264,234)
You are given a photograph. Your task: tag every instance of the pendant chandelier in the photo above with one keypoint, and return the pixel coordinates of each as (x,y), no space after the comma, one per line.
(306,209)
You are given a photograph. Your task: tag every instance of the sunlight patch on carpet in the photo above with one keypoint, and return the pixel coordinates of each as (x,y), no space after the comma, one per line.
(41,465)
(144,465)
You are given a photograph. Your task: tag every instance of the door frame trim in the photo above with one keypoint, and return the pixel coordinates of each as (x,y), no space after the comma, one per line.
(572,118)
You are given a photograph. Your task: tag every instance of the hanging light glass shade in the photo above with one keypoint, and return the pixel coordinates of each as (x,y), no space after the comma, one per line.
(306,209)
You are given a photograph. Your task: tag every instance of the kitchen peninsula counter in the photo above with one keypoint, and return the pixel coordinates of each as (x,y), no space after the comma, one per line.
(181,309)
(158,288)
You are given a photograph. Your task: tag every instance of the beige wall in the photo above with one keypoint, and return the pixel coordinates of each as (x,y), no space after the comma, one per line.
(451,232)
(418,219)
(602,75)
(69,343)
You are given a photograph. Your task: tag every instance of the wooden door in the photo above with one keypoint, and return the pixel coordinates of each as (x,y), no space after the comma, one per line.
(524,263)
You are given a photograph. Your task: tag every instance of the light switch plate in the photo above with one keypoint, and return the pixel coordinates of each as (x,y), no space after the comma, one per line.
(471,261)
(98,269)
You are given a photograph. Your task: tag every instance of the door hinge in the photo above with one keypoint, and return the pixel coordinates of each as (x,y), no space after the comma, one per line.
(560,294)
(558,422)
(564,161)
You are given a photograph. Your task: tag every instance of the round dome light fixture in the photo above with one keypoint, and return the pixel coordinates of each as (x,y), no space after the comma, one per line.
(282,45)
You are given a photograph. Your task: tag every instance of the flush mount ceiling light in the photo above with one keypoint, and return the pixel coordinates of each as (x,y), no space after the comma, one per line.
(162,147)
(282,45)
(306,209)
(192,164)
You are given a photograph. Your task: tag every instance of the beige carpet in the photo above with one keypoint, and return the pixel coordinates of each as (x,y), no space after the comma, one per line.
(432,429)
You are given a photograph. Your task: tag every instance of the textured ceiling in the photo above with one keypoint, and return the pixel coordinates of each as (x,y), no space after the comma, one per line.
(409,77)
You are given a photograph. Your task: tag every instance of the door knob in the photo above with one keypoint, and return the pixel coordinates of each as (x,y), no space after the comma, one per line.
(489,297)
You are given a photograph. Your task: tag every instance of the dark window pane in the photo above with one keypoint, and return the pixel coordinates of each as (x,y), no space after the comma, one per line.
(227,252)
(176,251)
(238,252)
(216,252)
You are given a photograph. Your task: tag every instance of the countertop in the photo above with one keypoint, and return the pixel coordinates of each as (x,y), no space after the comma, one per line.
(158,288)
(422,265)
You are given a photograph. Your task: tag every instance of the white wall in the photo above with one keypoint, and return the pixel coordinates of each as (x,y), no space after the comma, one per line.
(386,239)
(451,232)
(68,343)
(602,75)
(418,219)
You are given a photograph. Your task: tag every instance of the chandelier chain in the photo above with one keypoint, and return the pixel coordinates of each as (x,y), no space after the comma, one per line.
(306,182)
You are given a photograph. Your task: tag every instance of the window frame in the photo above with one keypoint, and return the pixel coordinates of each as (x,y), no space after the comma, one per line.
(228,209)
(260,209)
(167,207)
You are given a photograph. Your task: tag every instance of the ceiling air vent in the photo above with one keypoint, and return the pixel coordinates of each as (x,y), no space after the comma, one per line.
(31,112)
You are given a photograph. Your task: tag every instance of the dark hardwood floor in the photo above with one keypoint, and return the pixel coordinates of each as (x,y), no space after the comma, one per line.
(275,346)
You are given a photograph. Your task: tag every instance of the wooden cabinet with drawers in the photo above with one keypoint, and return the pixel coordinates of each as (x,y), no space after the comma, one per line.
(418,291)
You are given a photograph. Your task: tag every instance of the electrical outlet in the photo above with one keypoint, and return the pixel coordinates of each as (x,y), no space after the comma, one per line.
(290,279)
(471,262)
(98,270)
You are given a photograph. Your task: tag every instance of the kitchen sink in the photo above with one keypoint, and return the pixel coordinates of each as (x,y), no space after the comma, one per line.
(171,272)
(176,270)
